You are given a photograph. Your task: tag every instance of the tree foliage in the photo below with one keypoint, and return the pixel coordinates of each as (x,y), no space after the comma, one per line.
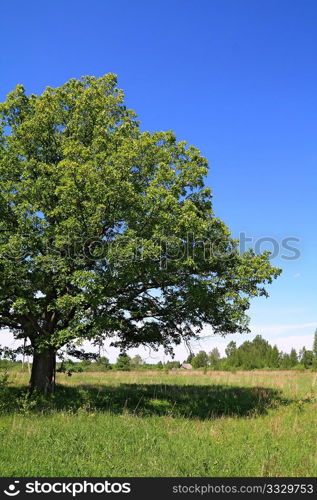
(306,357)
(109,231)
(136,361)
(123,362)
(214,357)
(200,360)
(255,354)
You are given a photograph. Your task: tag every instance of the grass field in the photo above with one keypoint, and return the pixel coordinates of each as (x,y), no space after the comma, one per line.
(158,424)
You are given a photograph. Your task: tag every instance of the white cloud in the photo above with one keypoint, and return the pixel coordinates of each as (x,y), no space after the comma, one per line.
(8,340)
(285,344)
(279,329)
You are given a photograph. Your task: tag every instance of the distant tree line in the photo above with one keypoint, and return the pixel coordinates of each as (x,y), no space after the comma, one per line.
(251,355)
(255,354)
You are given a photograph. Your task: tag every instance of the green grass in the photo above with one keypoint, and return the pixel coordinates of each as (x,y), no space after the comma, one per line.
(157,424)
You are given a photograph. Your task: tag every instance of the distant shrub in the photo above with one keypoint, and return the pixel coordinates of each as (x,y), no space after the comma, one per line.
(299,368)
(123,363)
(4,392)
(172,364)
(69,367)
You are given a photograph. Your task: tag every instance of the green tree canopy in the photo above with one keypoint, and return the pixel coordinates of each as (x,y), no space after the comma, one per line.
(214,357)
(104,362)
(231,349)
(137,360)
(306,357)
(109,231)
(257,353)
(201,360)
(123,362)
(273,357)
(293,357)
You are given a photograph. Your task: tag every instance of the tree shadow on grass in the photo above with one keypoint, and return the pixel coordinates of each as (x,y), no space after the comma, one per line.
(187,401)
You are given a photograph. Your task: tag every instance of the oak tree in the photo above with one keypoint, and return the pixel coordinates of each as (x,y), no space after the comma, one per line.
(107,231)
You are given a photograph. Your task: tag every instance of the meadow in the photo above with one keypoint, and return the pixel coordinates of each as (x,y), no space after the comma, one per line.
(257,423)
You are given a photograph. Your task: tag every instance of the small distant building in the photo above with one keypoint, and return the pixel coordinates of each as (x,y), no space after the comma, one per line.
(186,366)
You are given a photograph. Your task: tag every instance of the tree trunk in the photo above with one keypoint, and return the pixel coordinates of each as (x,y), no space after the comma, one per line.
(43,371)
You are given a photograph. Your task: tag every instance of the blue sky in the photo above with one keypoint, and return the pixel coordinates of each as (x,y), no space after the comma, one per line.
(236,78)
